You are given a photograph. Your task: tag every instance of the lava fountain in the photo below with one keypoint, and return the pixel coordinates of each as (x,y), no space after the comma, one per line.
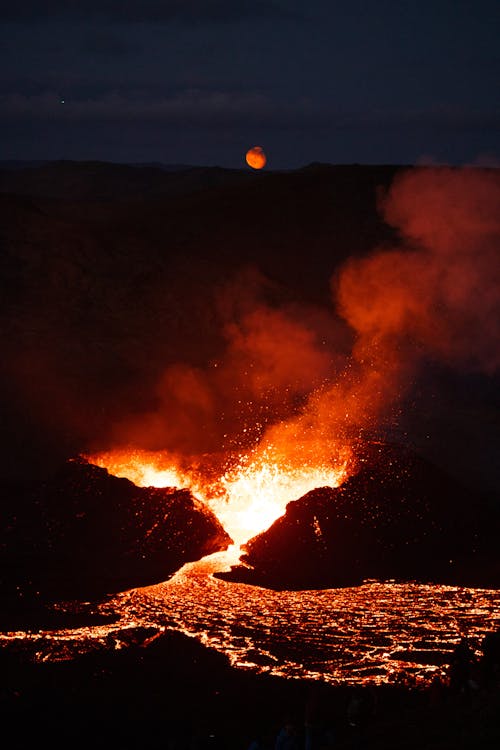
(247,492)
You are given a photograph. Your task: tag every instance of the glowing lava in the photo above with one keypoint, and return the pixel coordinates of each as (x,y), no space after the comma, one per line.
(246,498)
(143,468)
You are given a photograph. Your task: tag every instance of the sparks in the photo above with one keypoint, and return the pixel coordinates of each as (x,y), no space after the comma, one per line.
(246,498)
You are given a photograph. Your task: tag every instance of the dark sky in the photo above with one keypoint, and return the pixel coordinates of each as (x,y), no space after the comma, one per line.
(200,81)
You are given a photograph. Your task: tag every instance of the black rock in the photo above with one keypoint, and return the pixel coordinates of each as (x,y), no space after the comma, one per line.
(84,533)
(397,517)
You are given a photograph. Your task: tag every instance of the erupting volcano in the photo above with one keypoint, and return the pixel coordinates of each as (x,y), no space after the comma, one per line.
(247,497)
(252,426)
(267,397)
(276,413)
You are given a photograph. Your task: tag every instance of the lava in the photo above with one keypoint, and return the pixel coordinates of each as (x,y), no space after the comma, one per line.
(247,495)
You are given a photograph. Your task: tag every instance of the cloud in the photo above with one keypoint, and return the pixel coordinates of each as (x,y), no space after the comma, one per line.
(190,105)
(205,106)
(144,11)
(106,44)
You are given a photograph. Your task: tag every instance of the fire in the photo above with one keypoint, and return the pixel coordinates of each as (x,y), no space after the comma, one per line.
(247,497)
(143,468)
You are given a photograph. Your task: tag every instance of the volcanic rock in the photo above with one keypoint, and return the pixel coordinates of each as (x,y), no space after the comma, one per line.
(84,533)
(398,517)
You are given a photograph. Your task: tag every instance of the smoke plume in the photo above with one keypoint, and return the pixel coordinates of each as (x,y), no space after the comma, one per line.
(433,298)
(297,382)
(274,356)
(440,290)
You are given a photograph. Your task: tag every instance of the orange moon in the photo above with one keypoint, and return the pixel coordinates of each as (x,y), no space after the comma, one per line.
(256,157)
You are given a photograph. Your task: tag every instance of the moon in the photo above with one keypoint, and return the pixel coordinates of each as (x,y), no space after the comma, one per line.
(255,157)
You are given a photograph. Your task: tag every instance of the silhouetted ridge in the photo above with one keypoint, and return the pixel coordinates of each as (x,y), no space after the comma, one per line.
(398,517)
(83,533)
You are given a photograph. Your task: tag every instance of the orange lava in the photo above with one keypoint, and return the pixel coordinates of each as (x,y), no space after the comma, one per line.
(247,496)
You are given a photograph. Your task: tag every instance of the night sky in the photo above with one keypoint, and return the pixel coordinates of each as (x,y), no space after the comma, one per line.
(200,81)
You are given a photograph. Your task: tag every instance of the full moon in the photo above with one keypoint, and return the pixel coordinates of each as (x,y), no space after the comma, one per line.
(256,157)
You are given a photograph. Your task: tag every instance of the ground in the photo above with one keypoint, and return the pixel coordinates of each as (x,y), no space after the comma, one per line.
(175,693)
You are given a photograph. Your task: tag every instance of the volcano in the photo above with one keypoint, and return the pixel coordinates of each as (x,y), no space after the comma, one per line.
(85,534)
(268,317)
(398,517)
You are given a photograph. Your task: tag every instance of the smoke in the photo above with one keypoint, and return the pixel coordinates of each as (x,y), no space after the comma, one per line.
(275,354)
(197,364)
(433,298)
(440,291)
(295,382)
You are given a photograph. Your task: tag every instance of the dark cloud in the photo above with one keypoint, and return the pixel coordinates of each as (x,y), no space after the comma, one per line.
(106,43)
(155,11)
(205,105)
(191,106)
(352,81)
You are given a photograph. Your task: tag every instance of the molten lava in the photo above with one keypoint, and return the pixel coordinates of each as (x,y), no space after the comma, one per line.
(247,495)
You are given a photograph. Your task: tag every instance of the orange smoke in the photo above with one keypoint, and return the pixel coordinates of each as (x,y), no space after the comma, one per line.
(439,294)
(435,297)
(283,402)
(273,358)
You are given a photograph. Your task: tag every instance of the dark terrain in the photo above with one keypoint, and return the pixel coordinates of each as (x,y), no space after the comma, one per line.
(108,275)
(398,517)
(82,533)
(173,692)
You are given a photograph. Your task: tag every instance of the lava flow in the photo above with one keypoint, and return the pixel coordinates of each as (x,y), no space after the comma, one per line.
(247,495)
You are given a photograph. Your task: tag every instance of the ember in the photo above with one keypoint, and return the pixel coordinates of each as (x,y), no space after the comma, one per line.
(249,493)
